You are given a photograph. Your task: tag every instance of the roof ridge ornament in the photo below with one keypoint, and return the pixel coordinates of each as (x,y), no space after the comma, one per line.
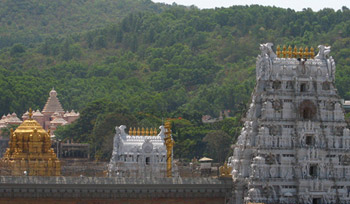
(30,114)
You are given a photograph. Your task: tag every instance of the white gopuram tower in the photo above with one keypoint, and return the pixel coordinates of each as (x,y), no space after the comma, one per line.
(295,144)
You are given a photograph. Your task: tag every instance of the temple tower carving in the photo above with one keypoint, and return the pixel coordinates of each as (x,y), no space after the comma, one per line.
(295,144)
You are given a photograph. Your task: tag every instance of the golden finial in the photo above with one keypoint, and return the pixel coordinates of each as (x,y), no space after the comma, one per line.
(300,52)
(289,51)
(312,54)
(130,131)
(306,53)
(147,132)
(30,114)
(138,131)
(134,131)
(295,52)
(284,52)
(278,52)
(155,132)
(143,131)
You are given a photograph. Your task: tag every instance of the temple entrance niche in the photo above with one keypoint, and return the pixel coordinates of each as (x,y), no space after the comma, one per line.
(309,140)
(316,201)
(307,110)
(313,170)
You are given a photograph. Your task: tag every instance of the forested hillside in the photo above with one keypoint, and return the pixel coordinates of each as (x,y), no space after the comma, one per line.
(30,21)
(181,62)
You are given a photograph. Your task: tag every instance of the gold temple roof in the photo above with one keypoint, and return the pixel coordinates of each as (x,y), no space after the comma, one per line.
(30,151)
(28,126)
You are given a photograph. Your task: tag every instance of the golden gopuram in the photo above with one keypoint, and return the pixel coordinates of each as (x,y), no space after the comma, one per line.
(30,151)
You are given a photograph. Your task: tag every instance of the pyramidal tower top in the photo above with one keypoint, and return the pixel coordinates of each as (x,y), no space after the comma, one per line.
(295,144)
(53,104)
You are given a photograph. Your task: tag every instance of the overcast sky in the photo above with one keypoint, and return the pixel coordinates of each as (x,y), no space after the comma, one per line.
(297,5)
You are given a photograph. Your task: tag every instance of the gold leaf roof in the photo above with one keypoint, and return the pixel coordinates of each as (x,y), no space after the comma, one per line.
(28,126)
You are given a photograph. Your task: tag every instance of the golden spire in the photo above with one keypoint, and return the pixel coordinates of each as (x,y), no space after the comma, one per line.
(300,52)
(30,114)
(147,132)
(143,131)
(306,52)
(138,131)
(278,52)
(295,52)
(289,51)
(169,143)
(312,54)
(284,52)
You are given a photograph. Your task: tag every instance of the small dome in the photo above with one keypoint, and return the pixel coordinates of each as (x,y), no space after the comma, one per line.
(14,114)
(37,113)
(53,93)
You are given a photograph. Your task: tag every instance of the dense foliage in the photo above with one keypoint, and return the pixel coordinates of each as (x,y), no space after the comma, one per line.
(29,21)
(180,62)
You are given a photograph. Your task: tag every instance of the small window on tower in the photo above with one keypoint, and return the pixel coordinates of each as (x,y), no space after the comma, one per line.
(313,170)
(309,140)
(303,87)
(147,160)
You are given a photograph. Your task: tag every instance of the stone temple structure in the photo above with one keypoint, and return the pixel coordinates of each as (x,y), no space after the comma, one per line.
(53,114)
(295,144)
(139,154)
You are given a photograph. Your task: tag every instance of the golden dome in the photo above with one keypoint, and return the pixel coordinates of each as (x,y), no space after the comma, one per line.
(30,150)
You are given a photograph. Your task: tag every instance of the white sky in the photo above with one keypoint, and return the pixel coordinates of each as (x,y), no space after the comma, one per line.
(297,5)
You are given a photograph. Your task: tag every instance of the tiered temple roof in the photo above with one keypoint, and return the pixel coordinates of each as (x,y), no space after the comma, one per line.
(9,119)
(30,151)
(53,104)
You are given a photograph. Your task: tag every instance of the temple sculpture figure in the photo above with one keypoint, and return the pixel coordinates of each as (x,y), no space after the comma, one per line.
(295,144)
(53,114)
(141,153)
(30,151)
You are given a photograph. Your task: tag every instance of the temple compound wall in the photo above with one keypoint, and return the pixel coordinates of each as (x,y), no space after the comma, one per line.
(295,144)
(77,190)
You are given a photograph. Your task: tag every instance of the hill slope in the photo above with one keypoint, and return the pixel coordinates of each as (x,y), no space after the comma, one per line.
(28,21)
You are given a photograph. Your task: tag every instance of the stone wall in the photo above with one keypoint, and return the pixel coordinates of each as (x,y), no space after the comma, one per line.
(113,190)
(120,201)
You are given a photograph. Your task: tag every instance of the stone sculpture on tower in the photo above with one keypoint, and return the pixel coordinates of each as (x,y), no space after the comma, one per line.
(30,151)
(295,144)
